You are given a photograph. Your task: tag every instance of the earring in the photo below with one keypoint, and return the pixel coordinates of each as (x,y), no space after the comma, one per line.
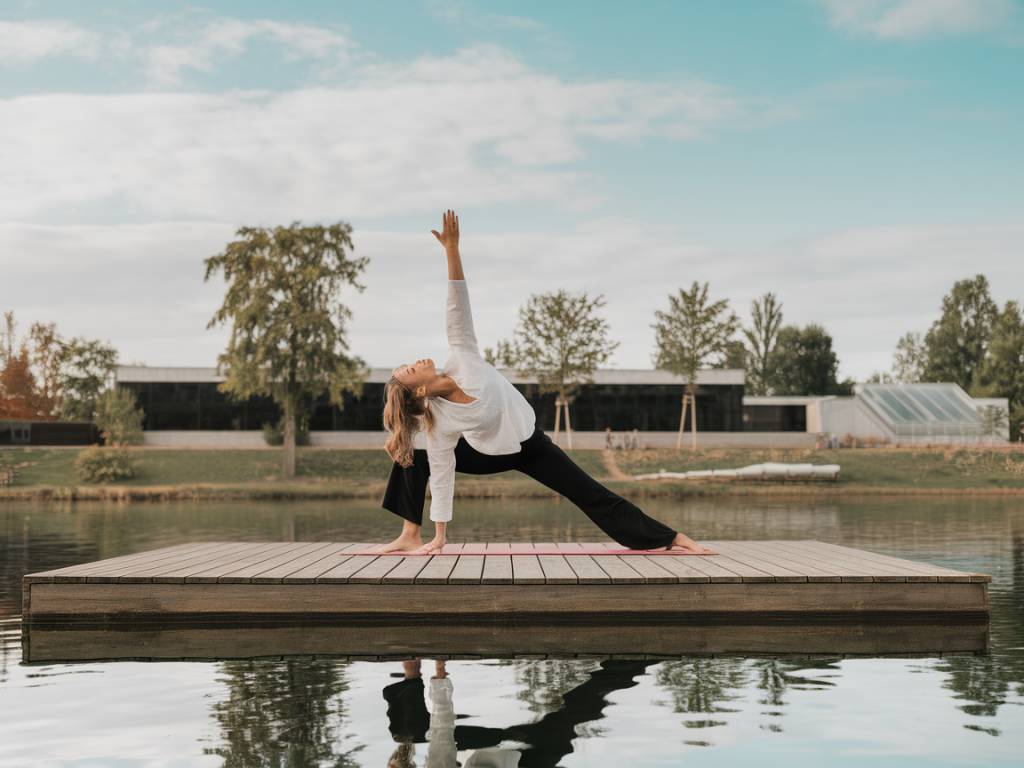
(421,390)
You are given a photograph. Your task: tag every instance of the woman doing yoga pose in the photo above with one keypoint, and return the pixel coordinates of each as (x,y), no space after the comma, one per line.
(476,422)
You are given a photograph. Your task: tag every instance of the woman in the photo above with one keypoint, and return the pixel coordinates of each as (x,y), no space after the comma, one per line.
(476,422)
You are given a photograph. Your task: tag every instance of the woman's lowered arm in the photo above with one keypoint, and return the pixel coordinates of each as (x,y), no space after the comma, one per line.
(449,238)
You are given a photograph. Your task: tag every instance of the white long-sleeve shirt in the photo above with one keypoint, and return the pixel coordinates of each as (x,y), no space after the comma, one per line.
(495,423)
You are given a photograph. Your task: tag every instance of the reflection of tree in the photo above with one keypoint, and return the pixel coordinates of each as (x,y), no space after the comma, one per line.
(282,713)
(702,684)
(983,682)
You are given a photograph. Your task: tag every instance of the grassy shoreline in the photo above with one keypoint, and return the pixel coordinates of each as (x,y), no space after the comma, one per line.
(176,474)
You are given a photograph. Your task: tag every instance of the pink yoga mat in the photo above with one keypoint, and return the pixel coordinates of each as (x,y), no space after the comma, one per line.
(514,550)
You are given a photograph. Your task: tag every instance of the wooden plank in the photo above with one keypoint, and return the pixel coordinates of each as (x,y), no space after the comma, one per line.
(468,570)
(712,567)
(111,562)
(439,600)
(316,554)
(918,566)
(497,548)
(308,574)
(880,571)
(587,570)
(780,558)
(437,570)
(618,570)
(340,573)
(210,572)
(557,570)
(521,548)
(526,570)
(497,569)
(406,570)
(286,557)
(173,571)
(653,573)
(817,569)
(477,548)
(766,565)
(142,564)
(744,570)
(375,571)
(683,572)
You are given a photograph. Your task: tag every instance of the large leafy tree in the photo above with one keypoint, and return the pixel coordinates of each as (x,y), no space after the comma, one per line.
(560,340)
(693,333)
(1001,374)
(908,359)
(85,368)
(762,337)
(288,335)
(806,364)
(956,343)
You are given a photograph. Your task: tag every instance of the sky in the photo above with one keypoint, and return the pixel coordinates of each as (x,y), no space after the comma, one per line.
(856,157)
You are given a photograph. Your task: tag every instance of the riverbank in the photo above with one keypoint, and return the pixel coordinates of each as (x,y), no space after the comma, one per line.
(164,474)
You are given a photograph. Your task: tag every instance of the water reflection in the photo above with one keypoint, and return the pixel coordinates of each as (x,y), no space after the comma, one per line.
(542,742)
(233,708)
(287,713)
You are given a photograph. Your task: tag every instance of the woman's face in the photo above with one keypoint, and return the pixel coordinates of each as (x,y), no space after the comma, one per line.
(415,374)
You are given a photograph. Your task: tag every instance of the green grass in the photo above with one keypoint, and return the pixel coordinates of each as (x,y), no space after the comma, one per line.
(54,467)
(364,472)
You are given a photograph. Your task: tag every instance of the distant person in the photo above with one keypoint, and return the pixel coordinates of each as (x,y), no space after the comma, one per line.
(476,422)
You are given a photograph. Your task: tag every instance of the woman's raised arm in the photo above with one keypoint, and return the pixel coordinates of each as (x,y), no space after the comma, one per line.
(449,238)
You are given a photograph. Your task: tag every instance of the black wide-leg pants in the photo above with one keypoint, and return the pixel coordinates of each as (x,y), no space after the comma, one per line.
(544,461)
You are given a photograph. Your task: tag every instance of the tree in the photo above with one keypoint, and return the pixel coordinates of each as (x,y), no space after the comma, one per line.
(805,363)
(85,368)
(1002,372)
(735,356)
(17,386)
(288,336)
(956,343)
(762,337)
(46,358)
(118,417)
(560,341)
(909,359)
(694,332)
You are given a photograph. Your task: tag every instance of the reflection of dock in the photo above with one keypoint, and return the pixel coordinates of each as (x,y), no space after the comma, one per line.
(46,642)
(752,580)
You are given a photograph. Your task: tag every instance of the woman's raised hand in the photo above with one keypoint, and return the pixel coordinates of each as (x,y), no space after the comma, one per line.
(449,235)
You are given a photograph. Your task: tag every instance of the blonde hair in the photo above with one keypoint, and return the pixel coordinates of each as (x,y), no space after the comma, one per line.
(405,412)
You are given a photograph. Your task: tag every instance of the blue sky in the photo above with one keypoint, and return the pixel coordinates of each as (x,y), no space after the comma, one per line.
(855,156)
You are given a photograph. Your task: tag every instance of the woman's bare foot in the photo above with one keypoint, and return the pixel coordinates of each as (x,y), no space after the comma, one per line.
(407,542)
(685,543)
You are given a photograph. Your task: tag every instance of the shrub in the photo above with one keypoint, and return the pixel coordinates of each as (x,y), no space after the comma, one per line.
(119,417)
(273,433)
(104,465)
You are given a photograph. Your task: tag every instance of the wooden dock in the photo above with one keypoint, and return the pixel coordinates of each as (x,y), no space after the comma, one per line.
(763,580)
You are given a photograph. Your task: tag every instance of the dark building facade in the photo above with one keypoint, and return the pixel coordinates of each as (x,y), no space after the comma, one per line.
(646,400)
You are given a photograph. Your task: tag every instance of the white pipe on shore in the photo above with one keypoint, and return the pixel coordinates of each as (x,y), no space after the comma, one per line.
(768,471)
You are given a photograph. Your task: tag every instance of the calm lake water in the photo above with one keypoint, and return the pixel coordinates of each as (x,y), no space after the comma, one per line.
(960,709)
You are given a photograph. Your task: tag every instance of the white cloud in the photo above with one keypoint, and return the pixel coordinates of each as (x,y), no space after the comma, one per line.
(140,285)
(478,125)
(222,38)
(23,42)
(912,19)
